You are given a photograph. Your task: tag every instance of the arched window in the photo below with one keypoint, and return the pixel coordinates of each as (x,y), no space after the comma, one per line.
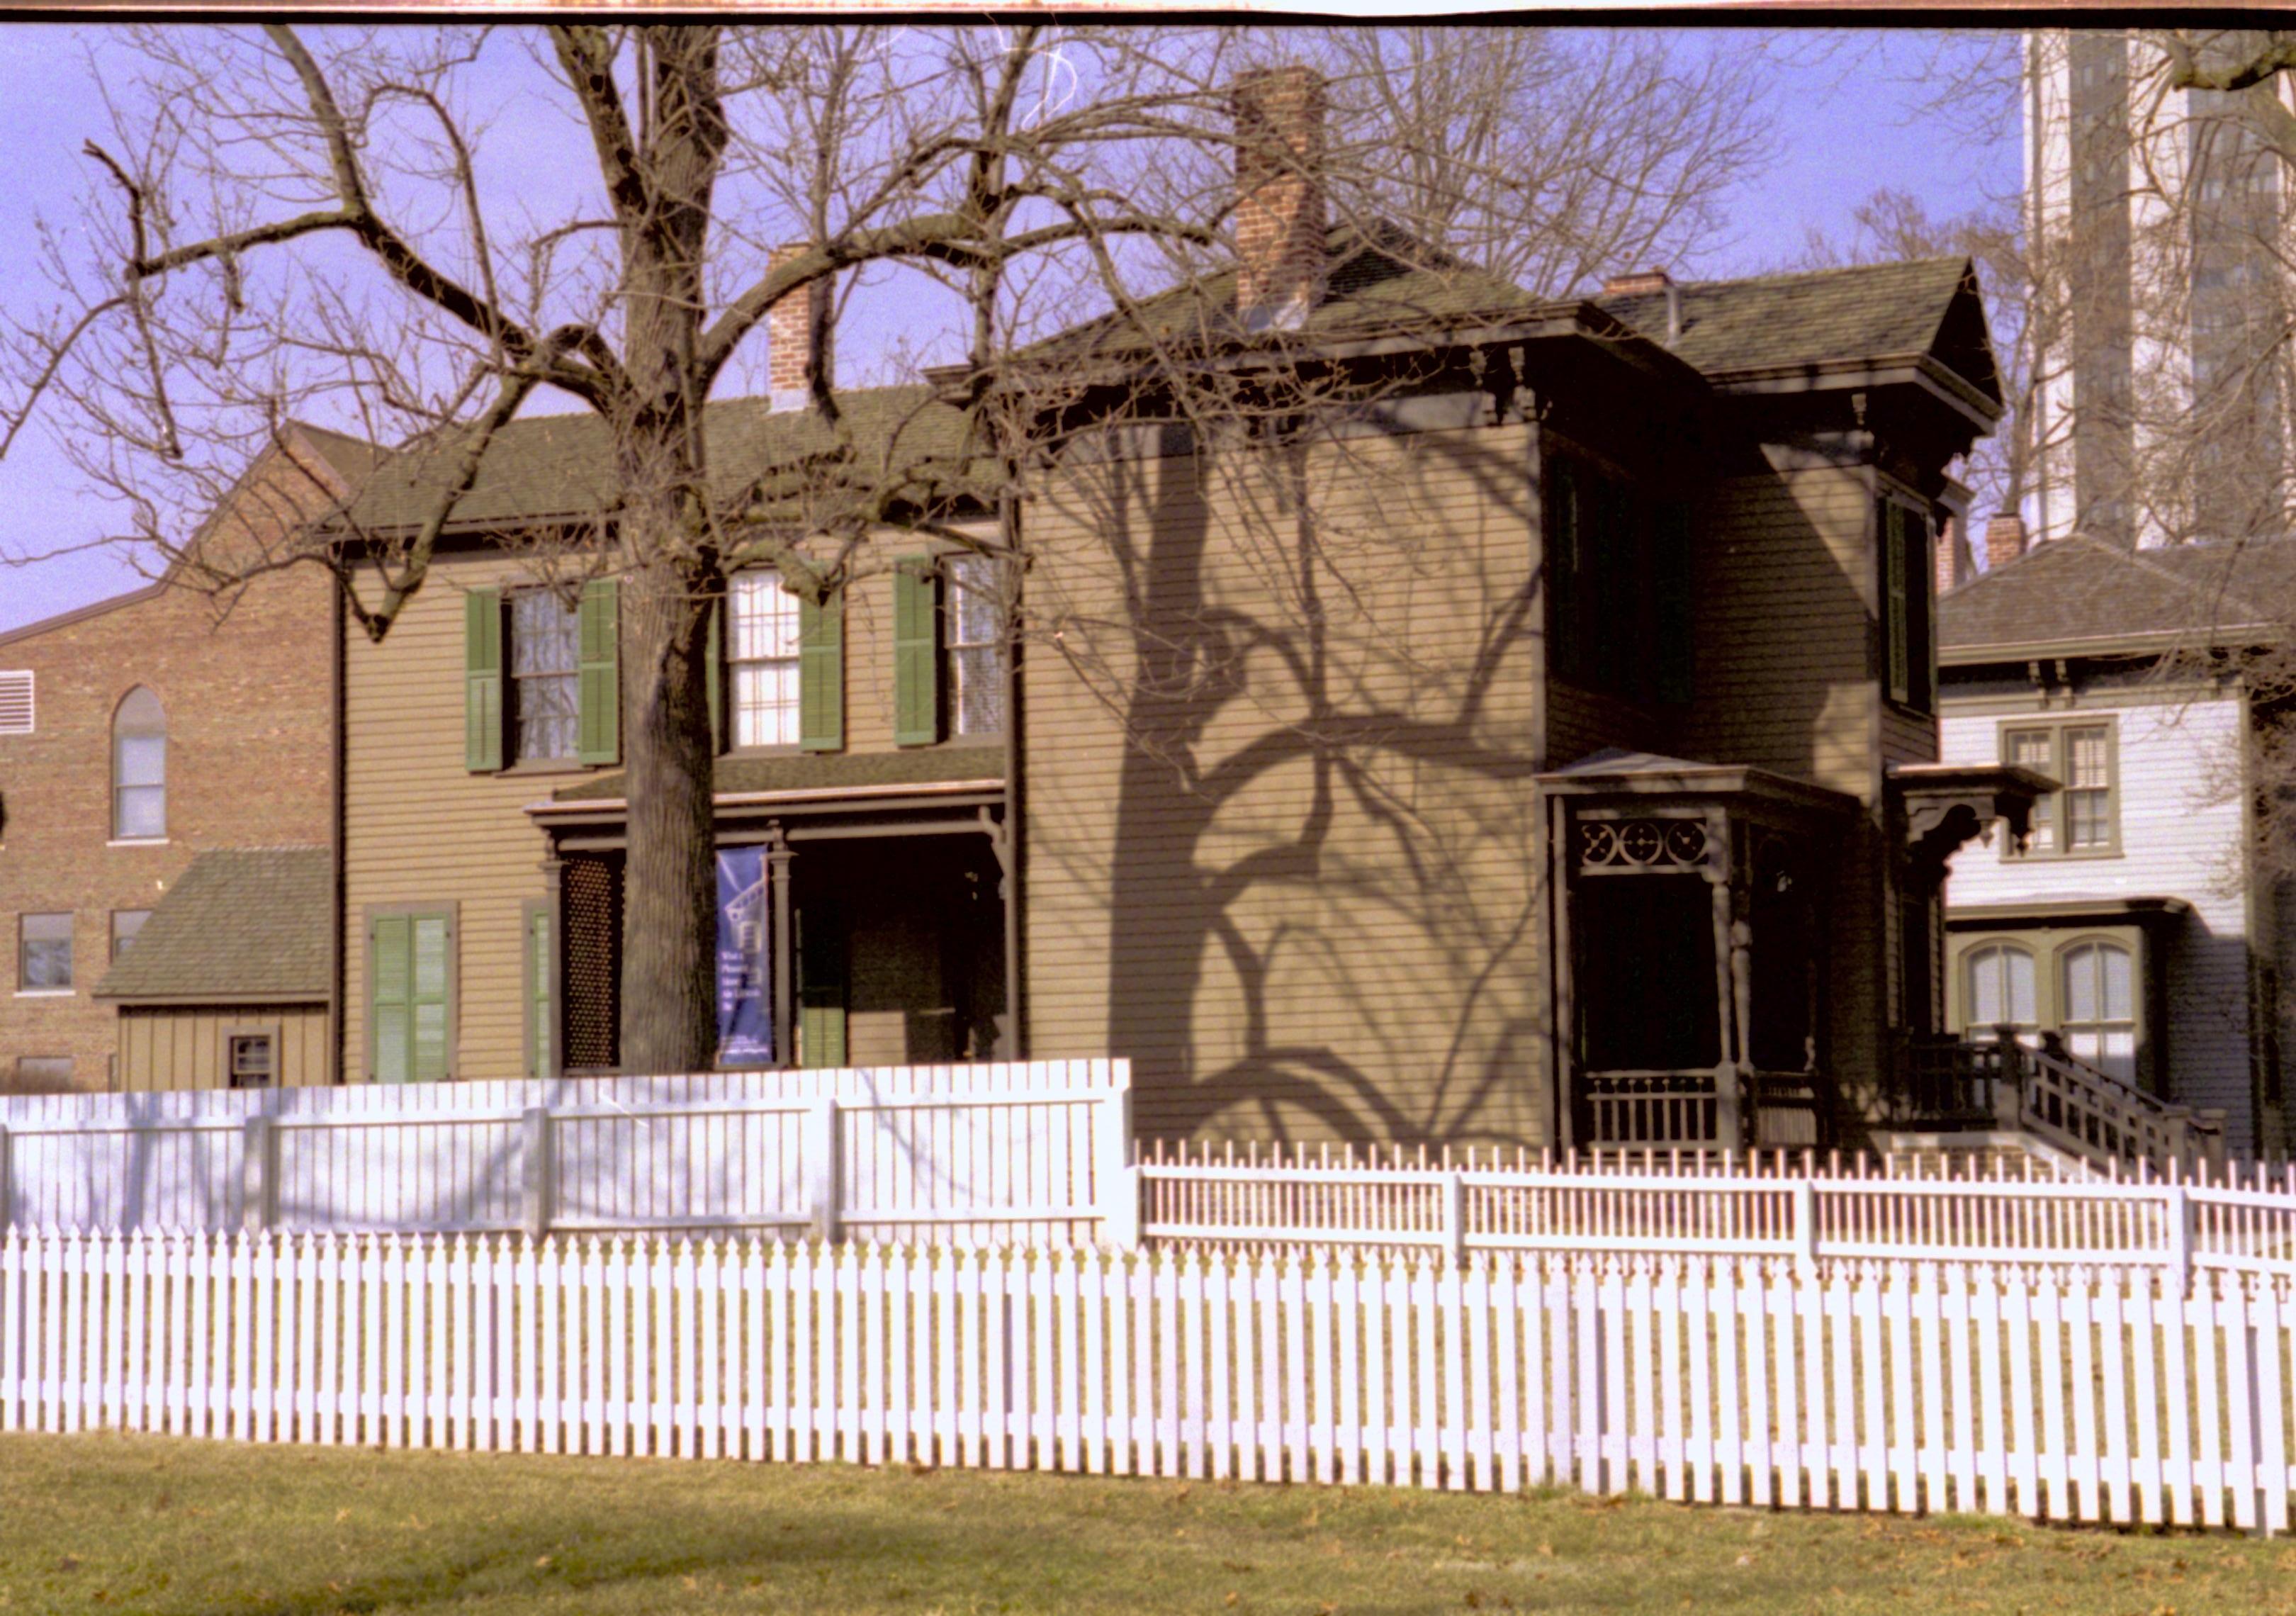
(2100,1002)
(139,768)
(2000,988)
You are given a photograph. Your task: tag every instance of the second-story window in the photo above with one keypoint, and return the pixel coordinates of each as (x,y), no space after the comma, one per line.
(763,655)
(1908,605)
(139,769)
(2080,815)
(976,646)
(545,667)
(1619,576)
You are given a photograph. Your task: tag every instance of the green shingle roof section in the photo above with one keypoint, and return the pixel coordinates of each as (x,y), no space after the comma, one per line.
(825,772)
(1823,317)
(2076,591)
(545,466)
(242,922)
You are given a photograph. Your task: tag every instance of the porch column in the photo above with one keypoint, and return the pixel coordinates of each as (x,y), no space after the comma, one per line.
(1730,980)
(553,890)
(778,858)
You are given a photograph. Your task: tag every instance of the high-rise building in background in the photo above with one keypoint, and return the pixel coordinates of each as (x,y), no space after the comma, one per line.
(2158,224)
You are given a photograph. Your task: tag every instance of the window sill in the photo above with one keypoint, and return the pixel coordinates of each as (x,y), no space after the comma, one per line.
(550,765)
(2079,855)
(137,842)
(792,751)
(47,993)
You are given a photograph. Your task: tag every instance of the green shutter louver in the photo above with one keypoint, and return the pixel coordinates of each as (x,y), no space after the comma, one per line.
(1671,586)
(483,681)
(1890,517)
(388,1004)
(598,728)
(916,652)
(713,651)
(821,676)
(538,954)
(410,1000)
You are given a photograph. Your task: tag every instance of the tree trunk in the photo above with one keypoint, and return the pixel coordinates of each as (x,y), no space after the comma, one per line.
(669,1016)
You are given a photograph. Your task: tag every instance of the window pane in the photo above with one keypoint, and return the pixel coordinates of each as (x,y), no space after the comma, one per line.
(765,617)
(143,760)
(544,633)
(142,811)
(2087,819)
(2119,1001)
(2031,749)
(766,704)
(2000,988)
(2021,1002)
(979,693)
(547,714)
(250,1061)
(125,924)
(43,951)
(2080,986)
(2085,759)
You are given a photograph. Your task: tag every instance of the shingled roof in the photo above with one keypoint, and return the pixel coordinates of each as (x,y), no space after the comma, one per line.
(542,467)
(241,923)
(1821,317)
(2082,592)
(823,771)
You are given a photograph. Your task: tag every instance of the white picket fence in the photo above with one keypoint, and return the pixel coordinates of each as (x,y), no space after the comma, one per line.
(1846,1385)
(992,1151)
(1774,1205)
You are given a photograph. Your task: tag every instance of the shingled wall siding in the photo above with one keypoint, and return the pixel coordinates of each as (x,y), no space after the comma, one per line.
(246,704)
(185,1048)
(1289,942)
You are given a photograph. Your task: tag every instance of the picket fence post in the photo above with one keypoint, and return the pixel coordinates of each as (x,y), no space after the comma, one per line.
(1455,1217)
(1805,1228)
(256,1147)
(539,1169)
(2179,1215)
(825,1167)
(1119,1185)
(7,1185)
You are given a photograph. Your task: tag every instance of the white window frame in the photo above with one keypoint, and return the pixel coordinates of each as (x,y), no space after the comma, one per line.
(763,646)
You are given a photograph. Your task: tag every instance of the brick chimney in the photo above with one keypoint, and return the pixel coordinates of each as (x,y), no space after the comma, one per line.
(789,336)
(2004,539)
(1646,284)
(1279,196)
(1954,563)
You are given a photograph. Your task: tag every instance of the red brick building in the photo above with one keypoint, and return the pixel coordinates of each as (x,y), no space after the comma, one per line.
(137,733)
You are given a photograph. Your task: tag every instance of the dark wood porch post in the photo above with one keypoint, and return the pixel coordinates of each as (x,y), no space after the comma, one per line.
(1564,1114)
(553,886)
(778,858)
(1729,1127)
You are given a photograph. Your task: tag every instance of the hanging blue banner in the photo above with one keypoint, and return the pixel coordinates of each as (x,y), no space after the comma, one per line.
(745,983)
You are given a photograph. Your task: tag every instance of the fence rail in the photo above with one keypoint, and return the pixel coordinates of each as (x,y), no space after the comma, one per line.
(2101,1395)
(996,1151)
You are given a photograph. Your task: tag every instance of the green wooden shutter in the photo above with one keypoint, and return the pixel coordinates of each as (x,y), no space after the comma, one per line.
(598,730)
(429,987)
(916,652)
(483,681)
(538,992)
(1670,581)
(714,651)
(821,676)
(389,1004)
(820,986)
(1892,519)
(1563,570)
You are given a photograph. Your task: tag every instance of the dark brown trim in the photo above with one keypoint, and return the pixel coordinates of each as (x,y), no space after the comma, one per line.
(172,1001)
(337,836)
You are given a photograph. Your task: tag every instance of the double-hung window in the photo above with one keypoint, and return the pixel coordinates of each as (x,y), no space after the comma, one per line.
(763,659)
(976,645)
(2080,817)
(546,670)
(139,769)
(44,953)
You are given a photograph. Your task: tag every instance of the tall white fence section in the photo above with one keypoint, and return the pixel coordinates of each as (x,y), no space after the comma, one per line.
(1031,1151)
(2225,1221)
(2089,1396)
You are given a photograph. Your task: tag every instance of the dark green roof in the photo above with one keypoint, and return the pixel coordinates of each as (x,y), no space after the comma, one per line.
(250,923)
(824,771)
(545,466)
(1825,316)
(2081,590)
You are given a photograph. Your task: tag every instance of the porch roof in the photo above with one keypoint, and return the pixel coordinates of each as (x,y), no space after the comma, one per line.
(811,777)
(1615,771)
(242,925)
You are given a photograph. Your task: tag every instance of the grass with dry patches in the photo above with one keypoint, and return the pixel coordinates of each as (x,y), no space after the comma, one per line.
(167,1525)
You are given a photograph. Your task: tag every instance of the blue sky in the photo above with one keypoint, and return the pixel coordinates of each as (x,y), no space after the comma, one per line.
(1851,119)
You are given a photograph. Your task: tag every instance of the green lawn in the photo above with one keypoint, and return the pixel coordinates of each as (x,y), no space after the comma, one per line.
(161,1525)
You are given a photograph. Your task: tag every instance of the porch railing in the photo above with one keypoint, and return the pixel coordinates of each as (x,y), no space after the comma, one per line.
(1953,1085)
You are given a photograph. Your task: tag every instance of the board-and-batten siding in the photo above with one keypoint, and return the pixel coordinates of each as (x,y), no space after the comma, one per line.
(169,1048)
(2182,835)
(419,829)
(1282,847)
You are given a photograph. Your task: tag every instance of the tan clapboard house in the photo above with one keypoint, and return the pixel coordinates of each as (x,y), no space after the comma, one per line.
(1540,747)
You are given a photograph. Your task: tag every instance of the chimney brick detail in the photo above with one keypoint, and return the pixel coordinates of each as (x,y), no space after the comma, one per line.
(2004,539)
(1280,221)
(1954,564)
(789,335)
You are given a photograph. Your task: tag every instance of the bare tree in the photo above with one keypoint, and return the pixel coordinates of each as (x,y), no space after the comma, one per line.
(319,226)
